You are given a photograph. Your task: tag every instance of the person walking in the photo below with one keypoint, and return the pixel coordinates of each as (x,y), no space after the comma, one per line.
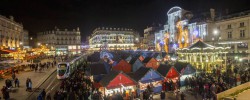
(163,95)
(43,93)
(16,82)
(30,84)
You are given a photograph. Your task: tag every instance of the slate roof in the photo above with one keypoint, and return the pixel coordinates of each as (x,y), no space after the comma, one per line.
(147,59)
(109,77)
(132,61)
(99,66)
(95,57)
(200,44)
(163,69)
(180,65)
(140,73)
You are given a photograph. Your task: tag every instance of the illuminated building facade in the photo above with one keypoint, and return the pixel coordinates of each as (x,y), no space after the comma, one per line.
(10,33)
(62,41)
(231,31)
(113,39)
(149,37)
(179,31)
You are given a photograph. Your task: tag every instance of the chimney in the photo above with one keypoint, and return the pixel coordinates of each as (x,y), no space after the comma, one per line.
(11,18)
(212,12)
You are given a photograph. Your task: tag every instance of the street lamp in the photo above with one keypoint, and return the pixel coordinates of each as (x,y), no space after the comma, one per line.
(38,44)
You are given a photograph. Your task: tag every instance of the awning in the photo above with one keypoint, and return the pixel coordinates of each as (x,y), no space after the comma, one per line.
(152,80)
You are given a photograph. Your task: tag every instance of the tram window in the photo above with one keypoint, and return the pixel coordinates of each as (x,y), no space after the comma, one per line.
(62,66)
(61,72)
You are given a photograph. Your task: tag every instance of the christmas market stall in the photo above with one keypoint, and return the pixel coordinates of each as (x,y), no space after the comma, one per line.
(135,63)
(123,66)
(150,62)
(168,71)
(185,69)
(148,78)
(117,82)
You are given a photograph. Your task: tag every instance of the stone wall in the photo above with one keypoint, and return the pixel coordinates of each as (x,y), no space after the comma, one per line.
(232,90)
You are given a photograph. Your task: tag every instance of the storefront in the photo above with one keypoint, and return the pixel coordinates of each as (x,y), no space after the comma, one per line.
(117,82)
(148,77)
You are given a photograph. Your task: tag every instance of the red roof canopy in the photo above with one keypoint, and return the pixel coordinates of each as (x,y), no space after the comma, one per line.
(172,73)
(123,66)
(119,80)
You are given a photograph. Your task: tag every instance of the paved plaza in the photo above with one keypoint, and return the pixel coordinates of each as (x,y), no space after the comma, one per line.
(36,77)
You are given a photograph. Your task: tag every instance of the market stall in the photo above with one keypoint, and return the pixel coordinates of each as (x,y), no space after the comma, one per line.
(123,66)
(150,62)
(185,69)
(117,82)
(148,77)
(169,72)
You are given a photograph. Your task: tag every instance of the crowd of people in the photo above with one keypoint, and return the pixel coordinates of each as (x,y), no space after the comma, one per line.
(208,85)
(77,87)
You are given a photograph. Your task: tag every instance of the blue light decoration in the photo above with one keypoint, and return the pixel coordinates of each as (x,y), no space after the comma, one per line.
(196,33)
(161,43)
(105,54)
(175,46)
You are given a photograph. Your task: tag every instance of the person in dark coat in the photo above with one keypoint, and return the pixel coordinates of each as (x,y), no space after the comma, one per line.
(43,93)
(163,95)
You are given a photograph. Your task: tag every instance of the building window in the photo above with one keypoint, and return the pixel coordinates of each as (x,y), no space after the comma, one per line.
(229,35)
(229,26)
(242,33)
(242,24)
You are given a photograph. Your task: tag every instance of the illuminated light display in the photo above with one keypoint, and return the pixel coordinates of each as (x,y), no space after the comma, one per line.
(178,30)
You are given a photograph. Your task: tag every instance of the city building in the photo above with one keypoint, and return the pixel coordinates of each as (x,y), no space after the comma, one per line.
(61,41)
(113,39)
(149,37)
(10,33)
(25,39)
(232,31)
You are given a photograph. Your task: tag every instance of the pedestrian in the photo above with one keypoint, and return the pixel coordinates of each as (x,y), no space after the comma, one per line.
(16,82)
(163,95)
(5,93)
(40,97)
(43,93)
(30,84)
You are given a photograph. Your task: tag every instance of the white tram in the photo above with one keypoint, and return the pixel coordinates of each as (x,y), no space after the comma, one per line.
(66,68)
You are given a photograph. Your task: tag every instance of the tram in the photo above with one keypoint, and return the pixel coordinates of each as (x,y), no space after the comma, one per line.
(66,68)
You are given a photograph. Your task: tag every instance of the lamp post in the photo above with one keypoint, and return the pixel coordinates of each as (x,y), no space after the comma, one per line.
(215,34)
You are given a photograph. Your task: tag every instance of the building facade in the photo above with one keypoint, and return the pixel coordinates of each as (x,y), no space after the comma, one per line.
(25,39)
(61,41)
(149,37)
(10,33)
(231,31)
(113,39)
(180,31)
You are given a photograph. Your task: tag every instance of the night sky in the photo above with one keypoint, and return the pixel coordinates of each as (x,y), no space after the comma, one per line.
(42,15)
